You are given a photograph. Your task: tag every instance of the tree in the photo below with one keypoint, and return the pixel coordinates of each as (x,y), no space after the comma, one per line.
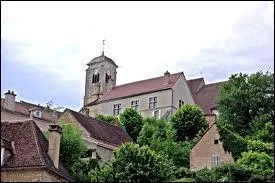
(258,162)
(133,163)
(245,97)
(154,129)
(245,106)
(132,121)
(82,168)
(72,147)
(188,121)
(158,134)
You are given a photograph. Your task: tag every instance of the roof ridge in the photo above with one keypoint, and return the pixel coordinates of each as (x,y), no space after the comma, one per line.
(34,131)
(204,133)
(216,83)
(195,79)
(94,118)
(145,80)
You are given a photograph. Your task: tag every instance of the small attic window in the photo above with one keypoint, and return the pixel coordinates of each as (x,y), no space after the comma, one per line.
(216,141)
(37,114)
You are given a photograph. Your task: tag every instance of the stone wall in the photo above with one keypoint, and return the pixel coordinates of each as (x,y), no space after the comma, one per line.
(28,176)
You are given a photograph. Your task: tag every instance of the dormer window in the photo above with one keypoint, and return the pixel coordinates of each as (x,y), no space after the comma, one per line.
(37,113)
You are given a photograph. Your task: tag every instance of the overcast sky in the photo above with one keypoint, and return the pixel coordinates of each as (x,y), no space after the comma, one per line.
(45,46)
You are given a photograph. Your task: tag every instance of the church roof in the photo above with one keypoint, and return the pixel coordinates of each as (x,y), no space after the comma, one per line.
(31,148)
(139,87)
(101,130)
(101,58)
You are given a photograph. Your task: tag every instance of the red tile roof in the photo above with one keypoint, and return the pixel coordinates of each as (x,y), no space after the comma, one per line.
(206,95)
(31,148)
(101,130)
(23,108)
(139,87)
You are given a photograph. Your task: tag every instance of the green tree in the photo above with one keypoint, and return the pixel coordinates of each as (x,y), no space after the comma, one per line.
(258,162)
(155,129)
(188,121)
(134,163)
(159,135)
(245,106)
(72,147)
(132,121)
(82,168)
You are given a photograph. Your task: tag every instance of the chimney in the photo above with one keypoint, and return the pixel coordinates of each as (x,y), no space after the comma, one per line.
(10,100)
(166,78)
(55,132)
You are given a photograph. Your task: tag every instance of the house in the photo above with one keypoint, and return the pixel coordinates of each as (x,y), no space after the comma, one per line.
(27,156)
(208,151)
(159,96)
(101,138)
(13,111)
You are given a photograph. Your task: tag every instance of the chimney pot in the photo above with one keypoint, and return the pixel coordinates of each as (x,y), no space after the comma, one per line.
(10,100)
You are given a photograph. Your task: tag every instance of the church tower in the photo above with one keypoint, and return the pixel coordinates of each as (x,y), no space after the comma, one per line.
(100,78)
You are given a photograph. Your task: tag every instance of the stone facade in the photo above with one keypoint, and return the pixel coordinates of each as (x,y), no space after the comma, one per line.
(209,150)
(102,66)
(167,101)
(28,176)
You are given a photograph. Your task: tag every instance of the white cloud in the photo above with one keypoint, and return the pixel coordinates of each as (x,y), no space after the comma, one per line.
(144,38)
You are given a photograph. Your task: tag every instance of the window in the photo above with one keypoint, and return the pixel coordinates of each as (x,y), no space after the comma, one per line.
(135,104)
(117,108)
(181,102)
(37,114)
(152,102)
(156,114)
(107,77)
(216,141)
(215,160)
(95,78)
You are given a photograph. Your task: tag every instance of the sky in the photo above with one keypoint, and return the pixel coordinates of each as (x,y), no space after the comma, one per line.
(45,46)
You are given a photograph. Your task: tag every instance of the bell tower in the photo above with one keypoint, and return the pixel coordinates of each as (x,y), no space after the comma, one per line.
(100,77)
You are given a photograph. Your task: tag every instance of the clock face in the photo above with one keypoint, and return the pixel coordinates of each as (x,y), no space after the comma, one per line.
(96,71)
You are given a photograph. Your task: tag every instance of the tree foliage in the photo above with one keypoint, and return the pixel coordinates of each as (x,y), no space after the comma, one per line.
(107,118)
(258,162)
(72,147)
(246,110)
(132,121)
(133,163)
(155,129)
(188,122)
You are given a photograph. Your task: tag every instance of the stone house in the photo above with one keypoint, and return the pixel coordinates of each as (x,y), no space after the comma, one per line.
(13,111)
(101,138)
(27,156)
(208,151)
